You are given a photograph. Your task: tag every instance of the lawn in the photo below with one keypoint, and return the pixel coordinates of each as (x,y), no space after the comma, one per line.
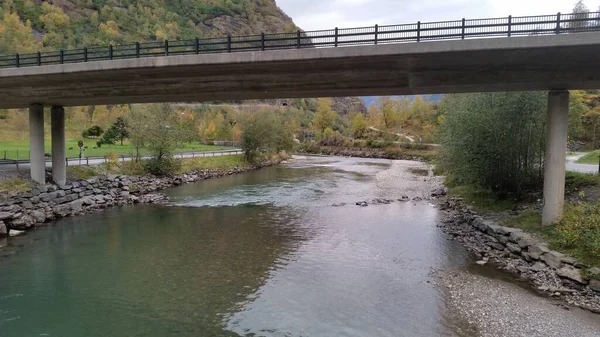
(20,149)
(590,158)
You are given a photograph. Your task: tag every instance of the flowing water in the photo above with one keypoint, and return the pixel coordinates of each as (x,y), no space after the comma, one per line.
(258,254)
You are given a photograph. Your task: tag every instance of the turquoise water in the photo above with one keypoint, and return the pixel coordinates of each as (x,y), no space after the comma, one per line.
(258,254)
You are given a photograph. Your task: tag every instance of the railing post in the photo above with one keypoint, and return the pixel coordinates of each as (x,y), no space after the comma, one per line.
(166,47)
(419,31)
(376,33)
(262,41)
(137,50)
(228,43)
(39,58)
(558,23)
(62,56)
(336,36)
(17,60)
(298,39)
(85,55)
(110,51)
(509,25)
(462,34)
(197,46)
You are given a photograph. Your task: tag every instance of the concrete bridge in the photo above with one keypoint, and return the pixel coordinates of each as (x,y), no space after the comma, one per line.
(452,57)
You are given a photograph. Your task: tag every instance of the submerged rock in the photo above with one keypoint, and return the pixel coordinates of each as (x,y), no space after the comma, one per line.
(362,203)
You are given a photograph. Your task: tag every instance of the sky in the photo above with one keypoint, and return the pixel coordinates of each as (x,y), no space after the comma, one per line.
(326,14)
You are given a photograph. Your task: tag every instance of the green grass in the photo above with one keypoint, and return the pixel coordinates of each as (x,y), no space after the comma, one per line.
(211,163)
(576,180)
(21,148)
(590,158)
(15,185)
(481,200)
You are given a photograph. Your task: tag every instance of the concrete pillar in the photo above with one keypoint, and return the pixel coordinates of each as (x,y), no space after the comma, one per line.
(59,169)
(554,163)
(36,143)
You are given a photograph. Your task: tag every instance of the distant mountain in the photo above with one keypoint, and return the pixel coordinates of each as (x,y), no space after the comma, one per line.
(432,98)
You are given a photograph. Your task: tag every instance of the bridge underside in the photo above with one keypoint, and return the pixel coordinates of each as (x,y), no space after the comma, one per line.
(554,63)
(524,63)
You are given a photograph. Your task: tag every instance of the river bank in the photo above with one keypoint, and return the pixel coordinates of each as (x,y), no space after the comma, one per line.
(395,152)
(524,255)
(43,204)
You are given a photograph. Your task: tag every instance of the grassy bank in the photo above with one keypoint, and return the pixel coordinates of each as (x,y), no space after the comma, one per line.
(590,158)
(578,234)
(137,168)
(20,149)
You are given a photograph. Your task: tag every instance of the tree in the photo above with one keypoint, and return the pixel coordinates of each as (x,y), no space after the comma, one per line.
(119,128)
(388,112)
(161,138)
(495,140)
(359,125)
(93,132)
(264,134)
(581,14)
(325,116)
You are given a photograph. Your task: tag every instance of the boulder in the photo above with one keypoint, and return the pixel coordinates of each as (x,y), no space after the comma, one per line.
(595,285)
(14,232)
(3,229)
(536,250)
(571,273)
(552,259)
(39,216)
(538,266)
(6,216)
(514,248)
(22,222)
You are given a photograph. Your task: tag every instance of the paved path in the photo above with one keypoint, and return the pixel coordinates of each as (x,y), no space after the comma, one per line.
(583,168)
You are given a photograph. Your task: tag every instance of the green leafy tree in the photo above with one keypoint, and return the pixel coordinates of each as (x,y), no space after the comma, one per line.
(495,140)
(92,132)
(359,125)
(325,116)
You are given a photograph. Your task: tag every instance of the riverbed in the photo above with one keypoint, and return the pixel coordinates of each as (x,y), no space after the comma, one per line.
(266,253)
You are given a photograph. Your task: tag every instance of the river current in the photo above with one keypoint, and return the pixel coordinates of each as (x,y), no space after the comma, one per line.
(262,253)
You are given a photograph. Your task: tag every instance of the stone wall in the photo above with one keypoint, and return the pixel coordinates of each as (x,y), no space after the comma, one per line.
(525,255)
(45,203)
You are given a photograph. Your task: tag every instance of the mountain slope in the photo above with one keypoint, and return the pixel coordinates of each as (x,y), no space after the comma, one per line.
(75,23)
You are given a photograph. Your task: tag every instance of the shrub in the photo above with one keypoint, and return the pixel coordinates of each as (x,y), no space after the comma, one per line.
(163,166)
(579,232)
(92,132)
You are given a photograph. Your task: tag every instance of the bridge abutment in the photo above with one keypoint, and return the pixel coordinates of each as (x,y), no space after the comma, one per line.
(554,162)
(59,167)
(36,140)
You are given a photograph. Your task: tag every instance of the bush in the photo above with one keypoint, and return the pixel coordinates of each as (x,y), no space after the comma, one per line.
(579,232)
(164,166)
(332,138)
(93,132)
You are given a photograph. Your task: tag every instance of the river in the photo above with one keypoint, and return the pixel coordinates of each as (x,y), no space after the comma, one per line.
(262,253)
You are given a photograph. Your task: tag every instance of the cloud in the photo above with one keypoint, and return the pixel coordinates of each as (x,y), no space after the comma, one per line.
(325,14)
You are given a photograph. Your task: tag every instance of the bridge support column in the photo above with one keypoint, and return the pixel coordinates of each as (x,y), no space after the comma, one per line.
(59,167)
(37,158)
(554,162)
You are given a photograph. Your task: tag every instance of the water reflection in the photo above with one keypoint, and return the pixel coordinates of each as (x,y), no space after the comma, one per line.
(258,254)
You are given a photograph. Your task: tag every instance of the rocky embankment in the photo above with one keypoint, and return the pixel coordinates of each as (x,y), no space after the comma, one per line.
(359,152)
(44,203)
(551,273)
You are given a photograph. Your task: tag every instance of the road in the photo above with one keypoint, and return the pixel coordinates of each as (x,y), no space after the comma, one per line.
(7,167)
(583,168)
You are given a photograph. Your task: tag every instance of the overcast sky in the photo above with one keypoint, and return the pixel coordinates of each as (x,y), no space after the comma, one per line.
(325,14)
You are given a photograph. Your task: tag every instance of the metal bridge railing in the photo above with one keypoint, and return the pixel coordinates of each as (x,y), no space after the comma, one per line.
(416,32)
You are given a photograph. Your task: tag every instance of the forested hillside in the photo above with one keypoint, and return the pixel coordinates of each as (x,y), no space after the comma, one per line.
(31,25)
